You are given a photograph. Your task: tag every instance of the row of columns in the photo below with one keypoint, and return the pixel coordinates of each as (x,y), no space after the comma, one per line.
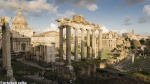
(68,44)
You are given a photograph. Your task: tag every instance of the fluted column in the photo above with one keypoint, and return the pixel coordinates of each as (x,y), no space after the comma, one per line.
(82,44)
(100,44)
(61,60)
(76,45)
(68,47)
(93,43)
(4,47)
(88,43)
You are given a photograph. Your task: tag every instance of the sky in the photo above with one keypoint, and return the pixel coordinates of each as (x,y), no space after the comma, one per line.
(113,15)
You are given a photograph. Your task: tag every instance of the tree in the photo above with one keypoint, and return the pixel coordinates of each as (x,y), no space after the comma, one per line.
(142,41)
(136,44)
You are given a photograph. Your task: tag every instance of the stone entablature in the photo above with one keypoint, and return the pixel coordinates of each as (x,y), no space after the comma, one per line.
(74,23)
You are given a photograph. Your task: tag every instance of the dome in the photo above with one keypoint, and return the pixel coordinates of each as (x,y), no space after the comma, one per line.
(19,21)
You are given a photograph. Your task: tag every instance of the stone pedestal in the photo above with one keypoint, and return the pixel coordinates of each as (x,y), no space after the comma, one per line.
(102,65)
(10,75)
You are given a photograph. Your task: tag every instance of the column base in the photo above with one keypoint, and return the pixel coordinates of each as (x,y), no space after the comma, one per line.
(10,75)
(76,60)
(61,63)
(70,67)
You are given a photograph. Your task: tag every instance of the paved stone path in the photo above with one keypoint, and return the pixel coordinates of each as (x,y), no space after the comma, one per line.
(124,63)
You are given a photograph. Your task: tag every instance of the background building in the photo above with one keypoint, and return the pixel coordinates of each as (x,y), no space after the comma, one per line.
(20,34)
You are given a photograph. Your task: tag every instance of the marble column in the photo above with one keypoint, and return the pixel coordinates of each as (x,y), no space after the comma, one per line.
(133,56)
(68,47)
(93,43)
(8,53)
(100,44)
(95,46)
(82,44)
(53,52)
(4,47)
(61,44)
(88,43)
(76,45)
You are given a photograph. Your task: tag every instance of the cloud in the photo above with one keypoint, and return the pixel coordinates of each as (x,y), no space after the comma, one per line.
(145,33)
(33,6)
(127,21)
(68,14)
(105,30)
(92,7)
(133,2)
(37,15)
(87,4)
(147,9)
(144,19)
(1,11)
(52,27)
(120,31)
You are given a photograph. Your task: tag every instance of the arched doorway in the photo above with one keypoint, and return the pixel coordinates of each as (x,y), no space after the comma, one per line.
(23,46)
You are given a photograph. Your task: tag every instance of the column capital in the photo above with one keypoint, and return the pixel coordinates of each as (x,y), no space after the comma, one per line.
(75,28)
(68,26)
(60,27)
(7,18)
(82,29)
(100,30)
(93,30)
(1,21)
(87,29)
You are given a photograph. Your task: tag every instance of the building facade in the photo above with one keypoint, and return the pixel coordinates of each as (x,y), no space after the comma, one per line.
(20,34)
(42,46)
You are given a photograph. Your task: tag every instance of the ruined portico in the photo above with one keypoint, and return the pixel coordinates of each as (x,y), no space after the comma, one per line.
(6,55)
(78,23)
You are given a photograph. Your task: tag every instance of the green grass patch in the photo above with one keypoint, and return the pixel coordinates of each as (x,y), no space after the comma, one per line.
(84,63)
(110,56)
(137,62)
(51,75)
(143,76)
